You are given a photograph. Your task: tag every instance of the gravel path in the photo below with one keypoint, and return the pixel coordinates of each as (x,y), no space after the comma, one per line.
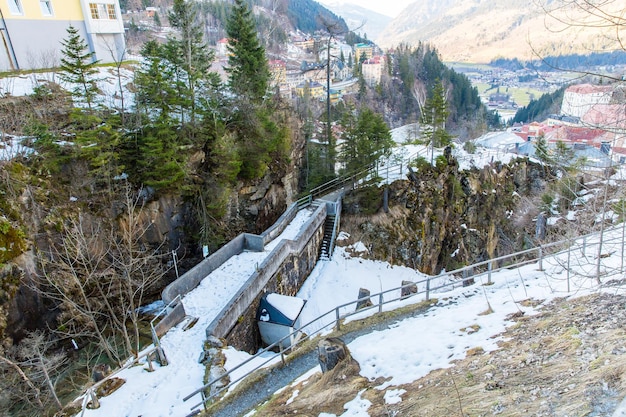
(279,377)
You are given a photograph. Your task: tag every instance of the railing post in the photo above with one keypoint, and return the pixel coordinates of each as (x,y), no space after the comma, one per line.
(569,252)
(428,289)
(337,316)
(489,268)
(540,258)
(380,302)
(94,399)
(204,400)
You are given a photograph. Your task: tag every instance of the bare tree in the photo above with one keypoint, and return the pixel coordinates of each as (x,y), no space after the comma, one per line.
(30,373)
(99,275)
(16,386)
(44,366)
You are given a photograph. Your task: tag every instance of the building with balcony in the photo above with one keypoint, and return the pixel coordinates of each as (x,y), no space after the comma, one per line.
(32,31)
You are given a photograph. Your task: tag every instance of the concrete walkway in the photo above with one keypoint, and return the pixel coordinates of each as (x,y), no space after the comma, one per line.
(281,376)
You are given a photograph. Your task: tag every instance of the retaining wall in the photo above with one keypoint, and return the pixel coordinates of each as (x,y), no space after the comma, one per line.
(244,241)
(283,271)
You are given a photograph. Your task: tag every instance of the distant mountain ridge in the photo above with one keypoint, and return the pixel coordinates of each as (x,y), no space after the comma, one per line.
(481,30)
(359,19)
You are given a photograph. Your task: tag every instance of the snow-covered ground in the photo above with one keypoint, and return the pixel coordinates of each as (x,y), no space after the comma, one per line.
(404,353)
(160,393)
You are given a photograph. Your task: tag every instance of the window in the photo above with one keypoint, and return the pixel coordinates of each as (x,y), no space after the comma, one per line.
(102,11)
(46,7)
(111,11)
(15,7)
(93,8)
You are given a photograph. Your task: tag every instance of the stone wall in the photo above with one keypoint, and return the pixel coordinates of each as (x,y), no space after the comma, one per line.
(283,271)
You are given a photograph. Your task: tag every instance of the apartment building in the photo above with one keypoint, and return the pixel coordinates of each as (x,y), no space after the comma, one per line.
(32,31)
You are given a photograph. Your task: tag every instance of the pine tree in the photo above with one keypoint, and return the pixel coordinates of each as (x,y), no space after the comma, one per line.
(156,95)
(78,68)
(433,119)
(191,53)
(366,138)
(248,72)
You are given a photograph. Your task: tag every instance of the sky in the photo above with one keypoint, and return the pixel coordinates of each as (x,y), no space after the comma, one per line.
(391,8)
(394,353)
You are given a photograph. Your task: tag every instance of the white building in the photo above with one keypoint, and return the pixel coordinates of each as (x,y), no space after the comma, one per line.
(31,31)
(579,99)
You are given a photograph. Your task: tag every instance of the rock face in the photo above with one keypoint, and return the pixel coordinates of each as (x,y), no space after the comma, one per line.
(168,218)
(444,218)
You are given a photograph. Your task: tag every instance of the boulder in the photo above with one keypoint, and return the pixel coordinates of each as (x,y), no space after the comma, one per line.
(364,299)
(409,288)
(100,371)
(330,352)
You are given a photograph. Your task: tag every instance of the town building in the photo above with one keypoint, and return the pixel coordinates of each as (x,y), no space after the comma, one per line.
(579,99)
(314,89)
(372,70)
(32,31)
(222,47)
(363,49)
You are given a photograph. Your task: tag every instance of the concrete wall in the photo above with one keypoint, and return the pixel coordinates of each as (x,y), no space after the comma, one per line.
(36,43)
(283,271)
(192,278)
(279,226)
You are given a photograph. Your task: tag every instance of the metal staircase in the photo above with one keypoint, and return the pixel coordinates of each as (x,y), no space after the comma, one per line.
(328,241)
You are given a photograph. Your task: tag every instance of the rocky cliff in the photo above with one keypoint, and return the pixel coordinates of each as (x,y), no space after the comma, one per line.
(444,218)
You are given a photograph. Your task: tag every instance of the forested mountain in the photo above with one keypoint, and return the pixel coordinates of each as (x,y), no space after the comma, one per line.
(481,30)
(414,71)
(539,109)
(310,16)
(569,62)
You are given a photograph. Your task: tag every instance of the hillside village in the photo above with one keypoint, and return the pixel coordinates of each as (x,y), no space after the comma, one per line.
(591,123)
(589,116)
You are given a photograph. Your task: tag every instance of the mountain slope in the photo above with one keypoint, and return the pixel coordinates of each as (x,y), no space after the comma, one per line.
(360,19)
(480,30)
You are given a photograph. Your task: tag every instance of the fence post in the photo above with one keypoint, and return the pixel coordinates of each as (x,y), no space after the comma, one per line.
(569,252)
(337,316)
(282,352)
(428,289)
(94,399)
(380,302)
(621,268)
(584,245)
(489,268)
(540,258)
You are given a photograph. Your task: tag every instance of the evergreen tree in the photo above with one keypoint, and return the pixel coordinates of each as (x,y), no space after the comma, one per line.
(156,96)
(541,150)
(248,72)
(191,53)
(434,116)
(78,68)
(366,138)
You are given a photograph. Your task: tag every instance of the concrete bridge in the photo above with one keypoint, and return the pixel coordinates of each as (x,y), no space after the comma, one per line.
(283,270)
